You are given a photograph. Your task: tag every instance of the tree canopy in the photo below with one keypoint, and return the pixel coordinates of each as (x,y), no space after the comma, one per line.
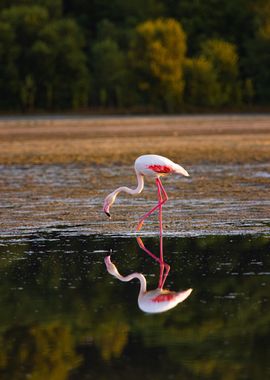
(165,56)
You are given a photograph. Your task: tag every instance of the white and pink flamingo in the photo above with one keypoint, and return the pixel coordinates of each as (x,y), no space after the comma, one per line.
(157,300)
(153,166)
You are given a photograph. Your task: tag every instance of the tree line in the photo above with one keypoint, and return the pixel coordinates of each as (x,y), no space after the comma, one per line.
(148,55)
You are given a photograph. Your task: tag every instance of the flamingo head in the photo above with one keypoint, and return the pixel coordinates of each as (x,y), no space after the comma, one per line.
(180,170)
(111,268)
(108,202)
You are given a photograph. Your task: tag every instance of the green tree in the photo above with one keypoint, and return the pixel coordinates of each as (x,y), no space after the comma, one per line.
(223,55)
(248,91)
(201,83)
(61,65)
(25,23)
(31,63)
(230,20)
(107,30)
(54,7)
(46,63)
(258,57)
(157,54)
(109,71)
(9,83)
(121,12)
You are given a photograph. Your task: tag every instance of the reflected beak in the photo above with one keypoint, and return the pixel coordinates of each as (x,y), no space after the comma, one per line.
(181,296)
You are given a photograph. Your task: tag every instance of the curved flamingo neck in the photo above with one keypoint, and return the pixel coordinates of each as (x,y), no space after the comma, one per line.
(140,277)
(126,189)
(153,301)
(111,268)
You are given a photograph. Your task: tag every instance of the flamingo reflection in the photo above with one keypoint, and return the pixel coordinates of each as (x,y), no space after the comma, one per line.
(159,299)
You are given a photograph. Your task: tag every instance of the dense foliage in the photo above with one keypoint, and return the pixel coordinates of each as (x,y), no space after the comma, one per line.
(156,55)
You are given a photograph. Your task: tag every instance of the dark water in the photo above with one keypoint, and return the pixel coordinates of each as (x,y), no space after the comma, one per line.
(63,316)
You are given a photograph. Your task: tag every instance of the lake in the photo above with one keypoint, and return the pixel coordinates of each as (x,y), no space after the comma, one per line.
(65,312)
(63,316)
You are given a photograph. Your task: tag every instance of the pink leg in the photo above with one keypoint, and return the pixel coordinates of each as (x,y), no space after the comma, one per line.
(142,246)
(163,190)
(162,276)
(160,260)
(160,203)
(160,211)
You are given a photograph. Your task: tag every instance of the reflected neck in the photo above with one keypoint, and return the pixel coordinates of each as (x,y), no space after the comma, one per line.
(140,277)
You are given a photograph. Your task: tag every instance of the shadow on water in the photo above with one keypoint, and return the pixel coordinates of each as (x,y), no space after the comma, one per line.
(64,317)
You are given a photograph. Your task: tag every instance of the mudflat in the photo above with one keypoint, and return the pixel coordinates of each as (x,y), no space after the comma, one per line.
(114,140)
(56,172)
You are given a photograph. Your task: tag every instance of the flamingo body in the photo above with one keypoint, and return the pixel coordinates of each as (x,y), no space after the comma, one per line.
(153,166)
(152,301)
(160,300)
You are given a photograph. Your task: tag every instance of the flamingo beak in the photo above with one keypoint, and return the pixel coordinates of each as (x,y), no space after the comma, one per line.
(181,170)
(184,172)
(106,209)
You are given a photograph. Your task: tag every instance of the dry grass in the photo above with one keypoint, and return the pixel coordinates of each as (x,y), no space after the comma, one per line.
(194,139)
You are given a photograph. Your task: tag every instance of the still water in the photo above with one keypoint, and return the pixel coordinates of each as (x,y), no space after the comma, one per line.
(63,316)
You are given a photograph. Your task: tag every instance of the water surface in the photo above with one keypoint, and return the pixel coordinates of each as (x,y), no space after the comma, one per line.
(64,317)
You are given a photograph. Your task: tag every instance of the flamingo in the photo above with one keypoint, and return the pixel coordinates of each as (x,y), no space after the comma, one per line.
(152,301)
(153,166)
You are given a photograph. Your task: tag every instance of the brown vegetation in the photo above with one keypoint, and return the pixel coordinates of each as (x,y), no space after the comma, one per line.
(190,139)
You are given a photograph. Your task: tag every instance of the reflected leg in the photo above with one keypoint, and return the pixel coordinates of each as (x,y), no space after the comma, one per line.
(160,260)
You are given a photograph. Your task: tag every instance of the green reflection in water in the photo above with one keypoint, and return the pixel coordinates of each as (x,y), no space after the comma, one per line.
(64,317)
